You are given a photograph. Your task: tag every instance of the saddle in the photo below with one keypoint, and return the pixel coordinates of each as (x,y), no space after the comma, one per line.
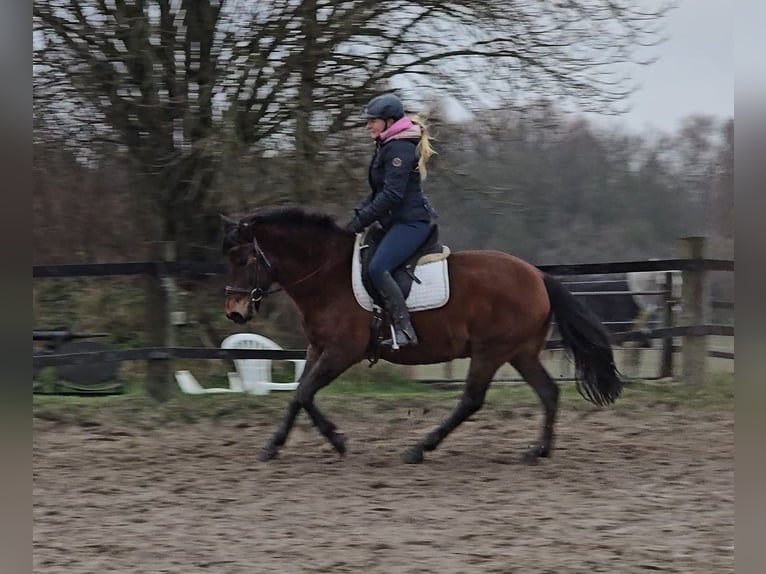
(404,275)
(430,251)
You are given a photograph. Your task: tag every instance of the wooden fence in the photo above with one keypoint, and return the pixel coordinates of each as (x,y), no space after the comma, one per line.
(160,292)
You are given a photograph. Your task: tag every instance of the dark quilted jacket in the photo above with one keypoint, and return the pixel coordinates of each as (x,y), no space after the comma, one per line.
(395,181)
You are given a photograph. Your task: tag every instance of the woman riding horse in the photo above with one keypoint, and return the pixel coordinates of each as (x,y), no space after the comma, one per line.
(397,202)
(499,311)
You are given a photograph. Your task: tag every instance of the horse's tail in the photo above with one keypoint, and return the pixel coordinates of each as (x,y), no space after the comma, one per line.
(583,335)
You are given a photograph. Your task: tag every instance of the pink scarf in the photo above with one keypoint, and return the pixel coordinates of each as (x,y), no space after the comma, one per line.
(402,124)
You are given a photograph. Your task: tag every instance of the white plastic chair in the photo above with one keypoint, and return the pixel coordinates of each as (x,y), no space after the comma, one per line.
(254,375)
(190,385)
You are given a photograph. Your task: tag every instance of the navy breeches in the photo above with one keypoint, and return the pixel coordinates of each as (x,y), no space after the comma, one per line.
(398,245)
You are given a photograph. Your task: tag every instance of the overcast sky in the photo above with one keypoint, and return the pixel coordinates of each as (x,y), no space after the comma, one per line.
(695,72)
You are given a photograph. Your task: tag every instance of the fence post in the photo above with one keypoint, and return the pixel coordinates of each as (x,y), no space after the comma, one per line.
(158,369)
(694,347)
(666,366)
(448,371)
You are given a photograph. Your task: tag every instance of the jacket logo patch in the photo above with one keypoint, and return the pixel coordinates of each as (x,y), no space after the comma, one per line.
(396,162)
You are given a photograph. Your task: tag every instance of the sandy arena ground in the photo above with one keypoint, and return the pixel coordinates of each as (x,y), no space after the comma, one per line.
(631,489)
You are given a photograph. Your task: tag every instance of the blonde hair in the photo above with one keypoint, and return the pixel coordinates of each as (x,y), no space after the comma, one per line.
(424,149)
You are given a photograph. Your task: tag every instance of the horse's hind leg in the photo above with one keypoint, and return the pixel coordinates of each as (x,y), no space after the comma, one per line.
(533,372)
(480,375)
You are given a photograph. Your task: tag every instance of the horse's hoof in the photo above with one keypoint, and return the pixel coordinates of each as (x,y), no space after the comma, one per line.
(534,454)
(339,442)
(413,455)
(266,453)
(529,457)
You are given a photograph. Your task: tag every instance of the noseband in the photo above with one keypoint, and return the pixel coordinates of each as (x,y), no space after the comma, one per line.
(257,293)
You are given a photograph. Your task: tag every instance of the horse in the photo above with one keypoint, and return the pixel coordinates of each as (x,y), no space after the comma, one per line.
(630,301)
(499,311)
(625,301)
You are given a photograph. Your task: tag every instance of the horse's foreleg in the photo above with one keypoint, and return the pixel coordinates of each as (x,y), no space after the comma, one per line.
(533,372)
(480,375)
(279,437)
(324,371)
(325,425)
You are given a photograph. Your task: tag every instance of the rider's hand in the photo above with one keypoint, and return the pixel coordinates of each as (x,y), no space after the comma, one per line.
(355,225)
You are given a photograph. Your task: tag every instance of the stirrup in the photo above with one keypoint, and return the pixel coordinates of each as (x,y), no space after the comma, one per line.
(393,341)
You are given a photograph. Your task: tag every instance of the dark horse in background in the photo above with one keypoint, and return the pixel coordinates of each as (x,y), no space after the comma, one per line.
(622,301)
(626,302)
(499,312)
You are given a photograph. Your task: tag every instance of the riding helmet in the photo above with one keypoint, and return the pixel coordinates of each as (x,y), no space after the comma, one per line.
(385,106)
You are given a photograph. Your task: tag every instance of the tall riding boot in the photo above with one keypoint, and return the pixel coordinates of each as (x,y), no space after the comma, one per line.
(397,309)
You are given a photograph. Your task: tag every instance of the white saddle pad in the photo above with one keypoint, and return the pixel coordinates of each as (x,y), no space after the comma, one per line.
(432,291)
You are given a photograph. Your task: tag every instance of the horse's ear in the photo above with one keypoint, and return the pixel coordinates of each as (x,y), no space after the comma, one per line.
(228,222)
(230,226)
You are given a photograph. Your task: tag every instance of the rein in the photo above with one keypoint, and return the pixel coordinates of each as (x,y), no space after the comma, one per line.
(257,293)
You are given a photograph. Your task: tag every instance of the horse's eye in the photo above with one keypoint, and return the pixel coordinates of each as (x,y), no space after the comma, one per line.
(238,258)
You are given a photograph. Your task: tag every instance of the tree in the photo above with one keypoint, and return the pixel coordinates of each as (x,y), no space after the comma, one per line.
(181,84)
(480,52)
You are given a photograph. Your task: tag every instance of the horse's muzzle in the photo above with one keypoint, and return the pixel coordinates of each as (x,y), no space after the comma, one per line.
(238,310)
(237,317)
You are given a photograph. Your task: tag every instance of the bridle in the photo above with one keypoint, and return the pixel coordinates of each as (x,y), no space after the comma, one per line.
(257,293)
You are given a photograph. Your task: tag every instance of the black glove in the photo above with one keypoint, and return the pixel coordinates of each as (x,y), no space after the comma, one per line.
(355,225)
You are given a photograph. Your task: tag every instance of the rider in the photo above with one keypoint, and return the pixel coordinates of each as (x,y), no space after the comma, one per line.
(397,202)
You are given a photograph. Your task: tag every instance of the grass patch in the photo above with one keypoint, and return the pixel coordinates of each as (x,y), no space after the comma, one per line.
(137,410)
(385,388)
(383,380)
(716,392)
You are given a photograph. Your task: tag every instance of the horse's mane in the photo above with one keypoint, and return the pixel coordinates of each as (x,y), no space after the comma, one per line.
(291,216)
(295,215)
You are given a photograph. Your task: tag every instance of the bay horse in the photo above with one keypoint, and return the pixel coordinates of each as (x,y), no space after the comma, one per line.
(499,311)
